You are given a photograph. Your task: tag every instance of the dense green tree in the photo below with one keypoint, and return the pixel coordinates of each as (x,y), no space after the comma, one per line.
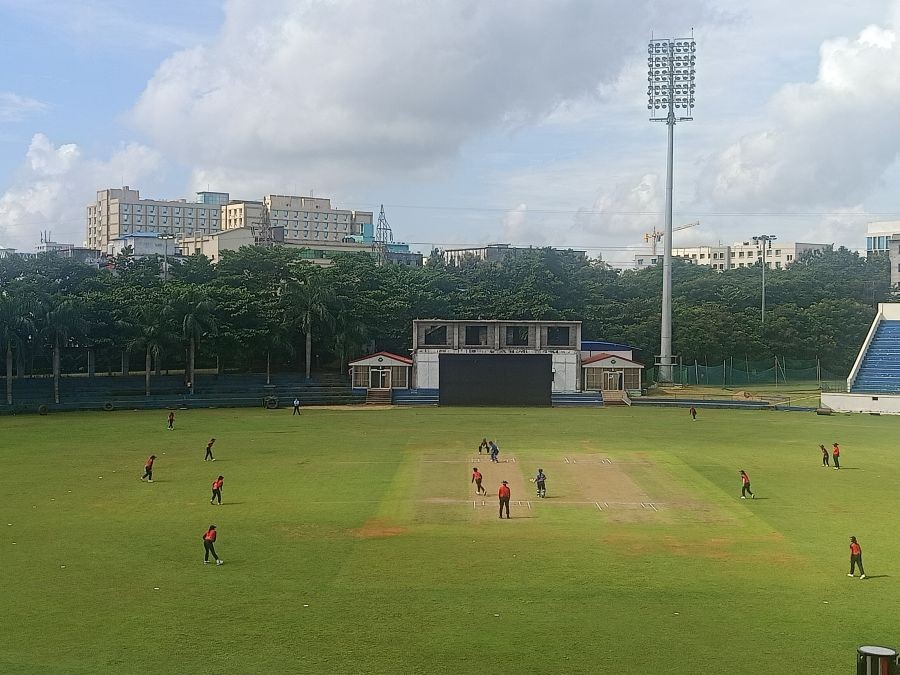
(193,312)
(18,314)
(305,302)
(64,317)
(251,309)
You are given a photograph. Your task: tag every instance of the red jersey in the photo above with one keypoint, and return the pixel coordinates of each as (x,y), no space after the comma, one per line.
(745,479)
(836,452)
(210,535)
(217,484)
(504,491)
(855,549)
(149,463)
(476,476)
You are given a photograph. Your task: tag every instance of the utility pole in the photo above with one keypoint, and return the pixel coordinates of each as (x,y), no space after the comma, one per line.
(166,237)
(765,241)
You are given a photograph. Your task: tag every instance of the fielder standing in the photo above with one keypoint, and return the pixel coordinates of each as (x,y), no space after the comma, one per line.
(856,558)
(836,455)
(209,541)
(824,450)
(171,421)
(209,455)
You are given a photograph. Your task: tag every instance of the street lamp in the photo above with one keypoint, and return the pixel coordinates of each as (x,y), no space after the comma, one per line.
(765,241)
(670,99)
(166,237)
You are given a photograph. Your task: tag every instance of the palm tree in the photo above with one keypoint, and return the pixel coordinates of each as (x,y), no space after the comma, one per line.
(349,335)
(147,321)
(307,301)
(17,314)
(195,312)
(63,319)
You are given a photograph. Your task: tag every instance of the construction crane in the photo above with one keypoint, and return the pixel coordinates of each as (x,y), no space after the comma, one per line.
(656,236)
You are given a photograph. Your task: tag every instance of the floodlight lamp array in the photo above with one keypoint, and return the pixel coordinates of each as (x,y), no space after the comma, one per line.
(670,77)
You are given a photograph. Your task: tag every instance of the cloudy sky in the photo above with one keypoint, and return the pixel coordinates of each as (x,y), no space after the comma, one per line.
(519,121)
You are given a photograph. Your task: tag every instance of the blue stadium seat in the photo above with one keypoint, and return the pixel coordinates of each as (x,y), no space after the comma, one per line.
(879,372)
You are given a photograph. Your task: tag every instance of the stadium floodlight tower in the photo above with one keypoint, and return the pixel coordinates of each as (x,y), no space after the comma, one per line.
(670,99)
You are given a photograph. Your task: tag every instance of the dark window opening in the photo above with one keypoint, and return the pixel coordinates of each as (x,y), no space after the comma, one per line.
(435,335)
(476,336)
(517,336)
(558,336)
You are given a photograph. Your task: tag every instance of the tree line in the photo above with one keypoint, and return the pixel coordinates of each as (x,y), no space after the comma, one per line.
(265,309)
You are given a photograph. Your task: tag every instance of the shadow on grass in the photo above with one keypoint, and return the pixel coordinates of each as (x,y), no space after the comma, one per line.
(877,576)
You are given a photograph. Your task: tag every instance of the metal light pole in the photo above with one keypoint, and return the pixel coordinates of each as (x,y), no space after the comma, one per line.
(670,88)
(166,238)
(765,240)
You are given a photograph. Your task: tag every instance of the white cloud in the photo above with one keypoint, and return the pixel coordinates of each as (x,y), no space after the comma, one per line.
(826,144)
(54,184)
(14,107)
(348,93)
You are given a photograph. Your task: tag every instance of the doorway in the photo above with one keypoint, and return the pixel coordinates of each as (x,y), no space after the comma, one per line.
(379,378)
(612,380)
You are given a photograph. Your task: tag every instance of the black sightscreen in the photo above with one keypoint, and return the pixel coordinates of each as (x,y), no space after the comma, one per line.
(495,379)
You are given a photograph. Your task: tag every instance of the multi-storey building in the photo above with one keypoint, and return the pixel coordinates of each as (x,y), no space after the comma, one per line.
(495,253)
(308,223)
(313,219)
(120,212)
(740,254)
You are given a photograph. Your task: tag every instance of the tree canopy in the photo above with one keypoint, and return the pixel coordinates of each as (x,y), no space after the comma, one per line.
(268,306)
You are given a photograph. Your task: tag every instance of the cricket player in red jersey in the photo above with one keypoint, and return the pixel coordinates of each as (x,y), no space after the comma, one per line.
(217,490)
(476,478)
(836,455)
(745,486)
(171,420)
(209,540)
(504,494)
(148,469)
(856,558)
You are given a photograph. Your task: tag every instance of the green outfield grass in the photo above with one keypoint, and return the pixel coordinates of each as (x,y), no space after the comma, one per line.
(352,543)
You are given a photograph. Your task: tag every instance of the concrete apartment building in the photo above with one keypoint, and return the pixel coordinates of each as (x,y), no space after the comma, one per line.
(308,223)
(119,212)
(313,219)
(740,254)
(883,237)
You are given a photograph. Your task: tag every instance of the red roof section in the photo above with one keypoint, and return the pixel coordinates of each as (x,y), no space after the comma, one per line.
(396,357)
(601,357)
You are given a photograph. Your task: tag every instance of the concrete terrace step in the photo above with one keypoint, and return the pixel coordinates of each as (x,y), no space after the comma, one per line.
(587,399)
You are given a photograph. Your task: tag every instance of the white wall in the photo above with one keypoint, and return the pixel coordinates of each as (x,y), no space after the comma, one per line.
(864,403)
(426,369)
(565,375)
(890,310)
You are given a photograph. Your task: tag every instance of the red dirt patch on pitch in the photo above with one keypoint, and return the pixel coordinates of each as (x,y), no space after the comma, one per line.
(378,529)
